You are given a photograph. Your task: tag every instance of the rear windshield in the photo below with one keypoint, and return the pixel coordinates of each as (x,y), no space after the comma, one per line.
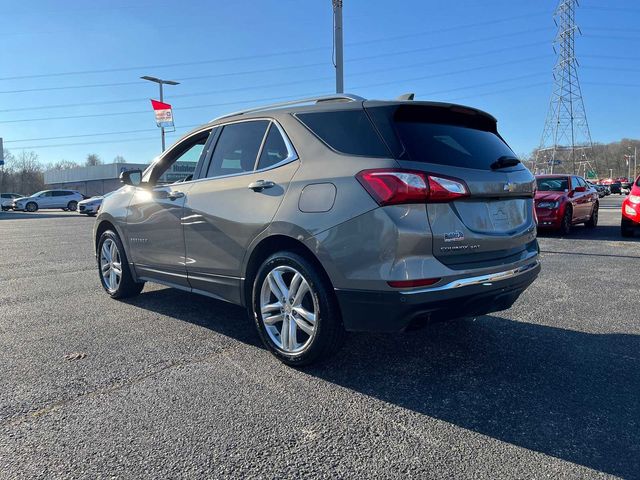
(439,135)
(346,131)
(552,184)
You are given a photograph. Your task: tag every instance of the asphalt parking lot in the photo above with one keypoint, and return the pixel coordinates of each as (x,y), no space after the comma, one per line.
(170,384)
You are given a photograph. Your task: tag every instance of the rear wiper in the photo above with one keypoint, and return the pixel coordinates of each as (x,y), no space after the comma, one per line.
(504,161)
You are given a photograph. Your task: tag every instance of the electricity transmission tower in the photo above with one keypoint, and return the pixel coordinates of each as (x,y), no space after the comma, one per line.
(566,140)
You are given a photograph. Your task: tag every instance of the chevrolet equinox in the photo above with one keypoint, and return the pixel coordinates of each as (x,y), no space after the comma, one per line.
(328,215)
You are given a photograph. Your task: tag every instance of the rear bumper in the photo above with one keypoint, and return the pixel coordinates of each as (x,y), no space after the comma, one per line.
(390,311)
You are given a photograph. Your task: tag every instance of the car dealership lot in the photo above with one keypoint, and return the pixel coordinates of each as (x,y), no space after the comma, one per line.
(170,384)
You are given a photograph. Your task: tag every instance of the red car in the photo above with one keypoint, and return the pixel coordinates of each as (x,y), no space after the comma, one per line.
(564,200)
(631,211)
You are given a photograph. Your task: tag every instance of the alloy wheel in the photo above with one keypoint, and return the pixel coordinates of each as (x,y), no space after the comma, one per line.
(288,309)
(110,265)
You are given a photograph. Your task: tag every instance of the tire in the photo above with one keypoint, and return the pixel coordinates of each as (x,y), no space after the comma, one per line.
(593,220)
(312,341)
(125,287)
(72,206)
(31,207)
(626,230)
(567,220)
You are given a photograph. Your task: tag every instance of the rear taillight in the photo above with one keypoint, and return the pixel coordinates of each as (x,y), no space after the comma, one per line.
(392,186)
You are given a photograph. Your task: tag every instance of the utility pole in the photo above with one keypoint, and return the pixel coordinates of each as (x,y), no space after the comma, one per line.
(161,83)
(566,133)
(338,45)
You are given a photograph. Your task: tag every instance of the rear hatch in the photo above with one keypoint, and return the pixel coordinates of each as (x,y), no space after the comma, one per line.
(494,223)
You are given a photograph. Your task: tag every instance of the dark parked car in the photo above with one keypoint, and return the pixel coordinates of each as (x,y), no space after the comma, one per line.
(616,187)
(331,214)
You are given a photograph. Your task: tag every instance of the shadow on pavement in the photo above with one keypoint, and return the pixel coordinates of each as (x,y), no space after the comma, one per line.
(568,394)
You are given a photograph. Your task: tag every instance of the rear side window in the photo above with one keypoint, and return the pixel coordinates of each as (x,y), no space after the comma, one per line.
(274,150)
(346,131)
(59,193)
(441,135)
(237,148)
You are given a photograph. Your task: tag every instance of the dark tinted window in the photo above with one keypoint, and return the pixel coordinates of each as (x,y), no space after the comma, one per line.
(455,136)
(5,195)
(237,148)
(60,193)
(274,149)
(451,145)
(638,182)
(346,131)
(553,184)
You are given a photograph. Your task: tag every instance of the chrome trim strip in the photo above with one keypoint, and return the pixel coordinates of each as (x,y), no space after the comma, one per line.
(478,280)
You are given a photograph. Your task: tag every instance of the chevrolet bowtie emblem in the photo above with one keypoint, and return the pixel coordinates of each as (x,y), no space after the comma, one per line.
(509,187)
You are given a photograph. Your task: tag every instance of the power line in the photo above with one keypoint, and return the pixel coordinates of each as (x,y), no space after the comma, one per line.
(262,100)
(165,65)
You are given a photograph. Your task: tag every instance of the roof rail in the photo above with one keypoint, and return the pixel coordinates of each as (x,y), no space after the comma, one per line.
(339,97)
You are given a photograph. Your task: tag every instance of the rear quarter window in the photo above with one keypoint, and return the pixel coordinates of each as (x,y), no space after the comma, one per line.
(346,131)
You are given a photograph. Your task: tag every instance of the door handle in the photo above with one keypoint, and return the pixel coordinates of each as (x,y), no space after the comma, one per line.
(174,195)
(260,185)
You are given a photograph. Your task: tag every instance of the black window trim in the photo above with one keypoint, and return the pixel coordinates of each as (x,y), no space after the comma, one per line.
(291,157)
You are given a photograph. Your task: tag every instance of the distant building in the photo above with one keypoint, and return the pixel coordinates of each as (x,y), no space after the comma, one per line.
(101,179)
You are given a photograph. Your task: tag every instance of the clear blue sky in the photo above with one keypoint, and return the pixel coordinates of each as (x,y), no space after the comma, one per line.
(493,54)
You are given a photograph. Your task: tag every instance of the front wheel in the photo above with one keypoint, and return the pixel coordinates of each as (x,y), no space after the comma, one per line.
(567,221)
(593,220)
(113,268)
(31,207)
(295,310)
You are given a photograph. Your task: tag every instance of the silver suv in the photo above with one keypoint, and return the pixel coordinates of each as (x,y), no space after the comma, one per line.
(64,199)
(329,215)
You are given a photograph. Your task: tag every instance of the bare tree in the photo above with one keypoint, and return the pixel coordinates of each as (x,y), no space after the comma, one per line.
(92,160)
(119,159)
(64,165)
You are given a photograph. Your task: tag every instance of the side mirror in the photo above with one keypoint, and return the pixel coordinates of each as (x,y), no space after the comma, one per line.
(131,177)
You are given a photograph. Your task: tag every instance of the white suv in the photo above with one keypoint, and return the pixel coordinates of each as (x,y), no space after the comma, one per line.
(6,200)
(64,199)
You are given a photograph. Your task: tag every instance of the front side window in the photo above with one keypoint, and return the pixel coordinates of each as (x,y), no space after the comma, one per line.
(60,193)
(274,150)
(180,163)
(237,148)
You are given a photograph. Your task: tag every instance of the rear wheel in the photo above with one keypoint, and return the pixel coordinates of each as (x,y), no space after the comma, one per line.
(567,220)
(593,220)
(72,205)
(31,207)
(295,310)
(113,268)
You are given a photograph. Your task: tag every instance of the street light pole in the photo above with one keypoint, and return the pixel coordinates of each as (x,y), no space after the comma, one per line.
(160,82)
(337,40)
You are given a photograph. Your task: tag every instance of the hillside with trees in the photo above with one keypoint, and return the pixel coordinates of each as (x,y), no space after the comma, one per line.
(615,159)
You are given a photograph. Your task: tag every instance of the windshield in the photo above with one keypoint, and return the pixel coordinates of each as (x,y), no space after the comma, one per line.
(39,193)
(552,184)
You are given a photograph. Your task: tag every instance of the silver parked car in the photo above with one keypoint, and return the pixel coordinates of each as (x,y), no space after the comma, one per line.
(6,200)
(64,199)
(91,206)
(329,215)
